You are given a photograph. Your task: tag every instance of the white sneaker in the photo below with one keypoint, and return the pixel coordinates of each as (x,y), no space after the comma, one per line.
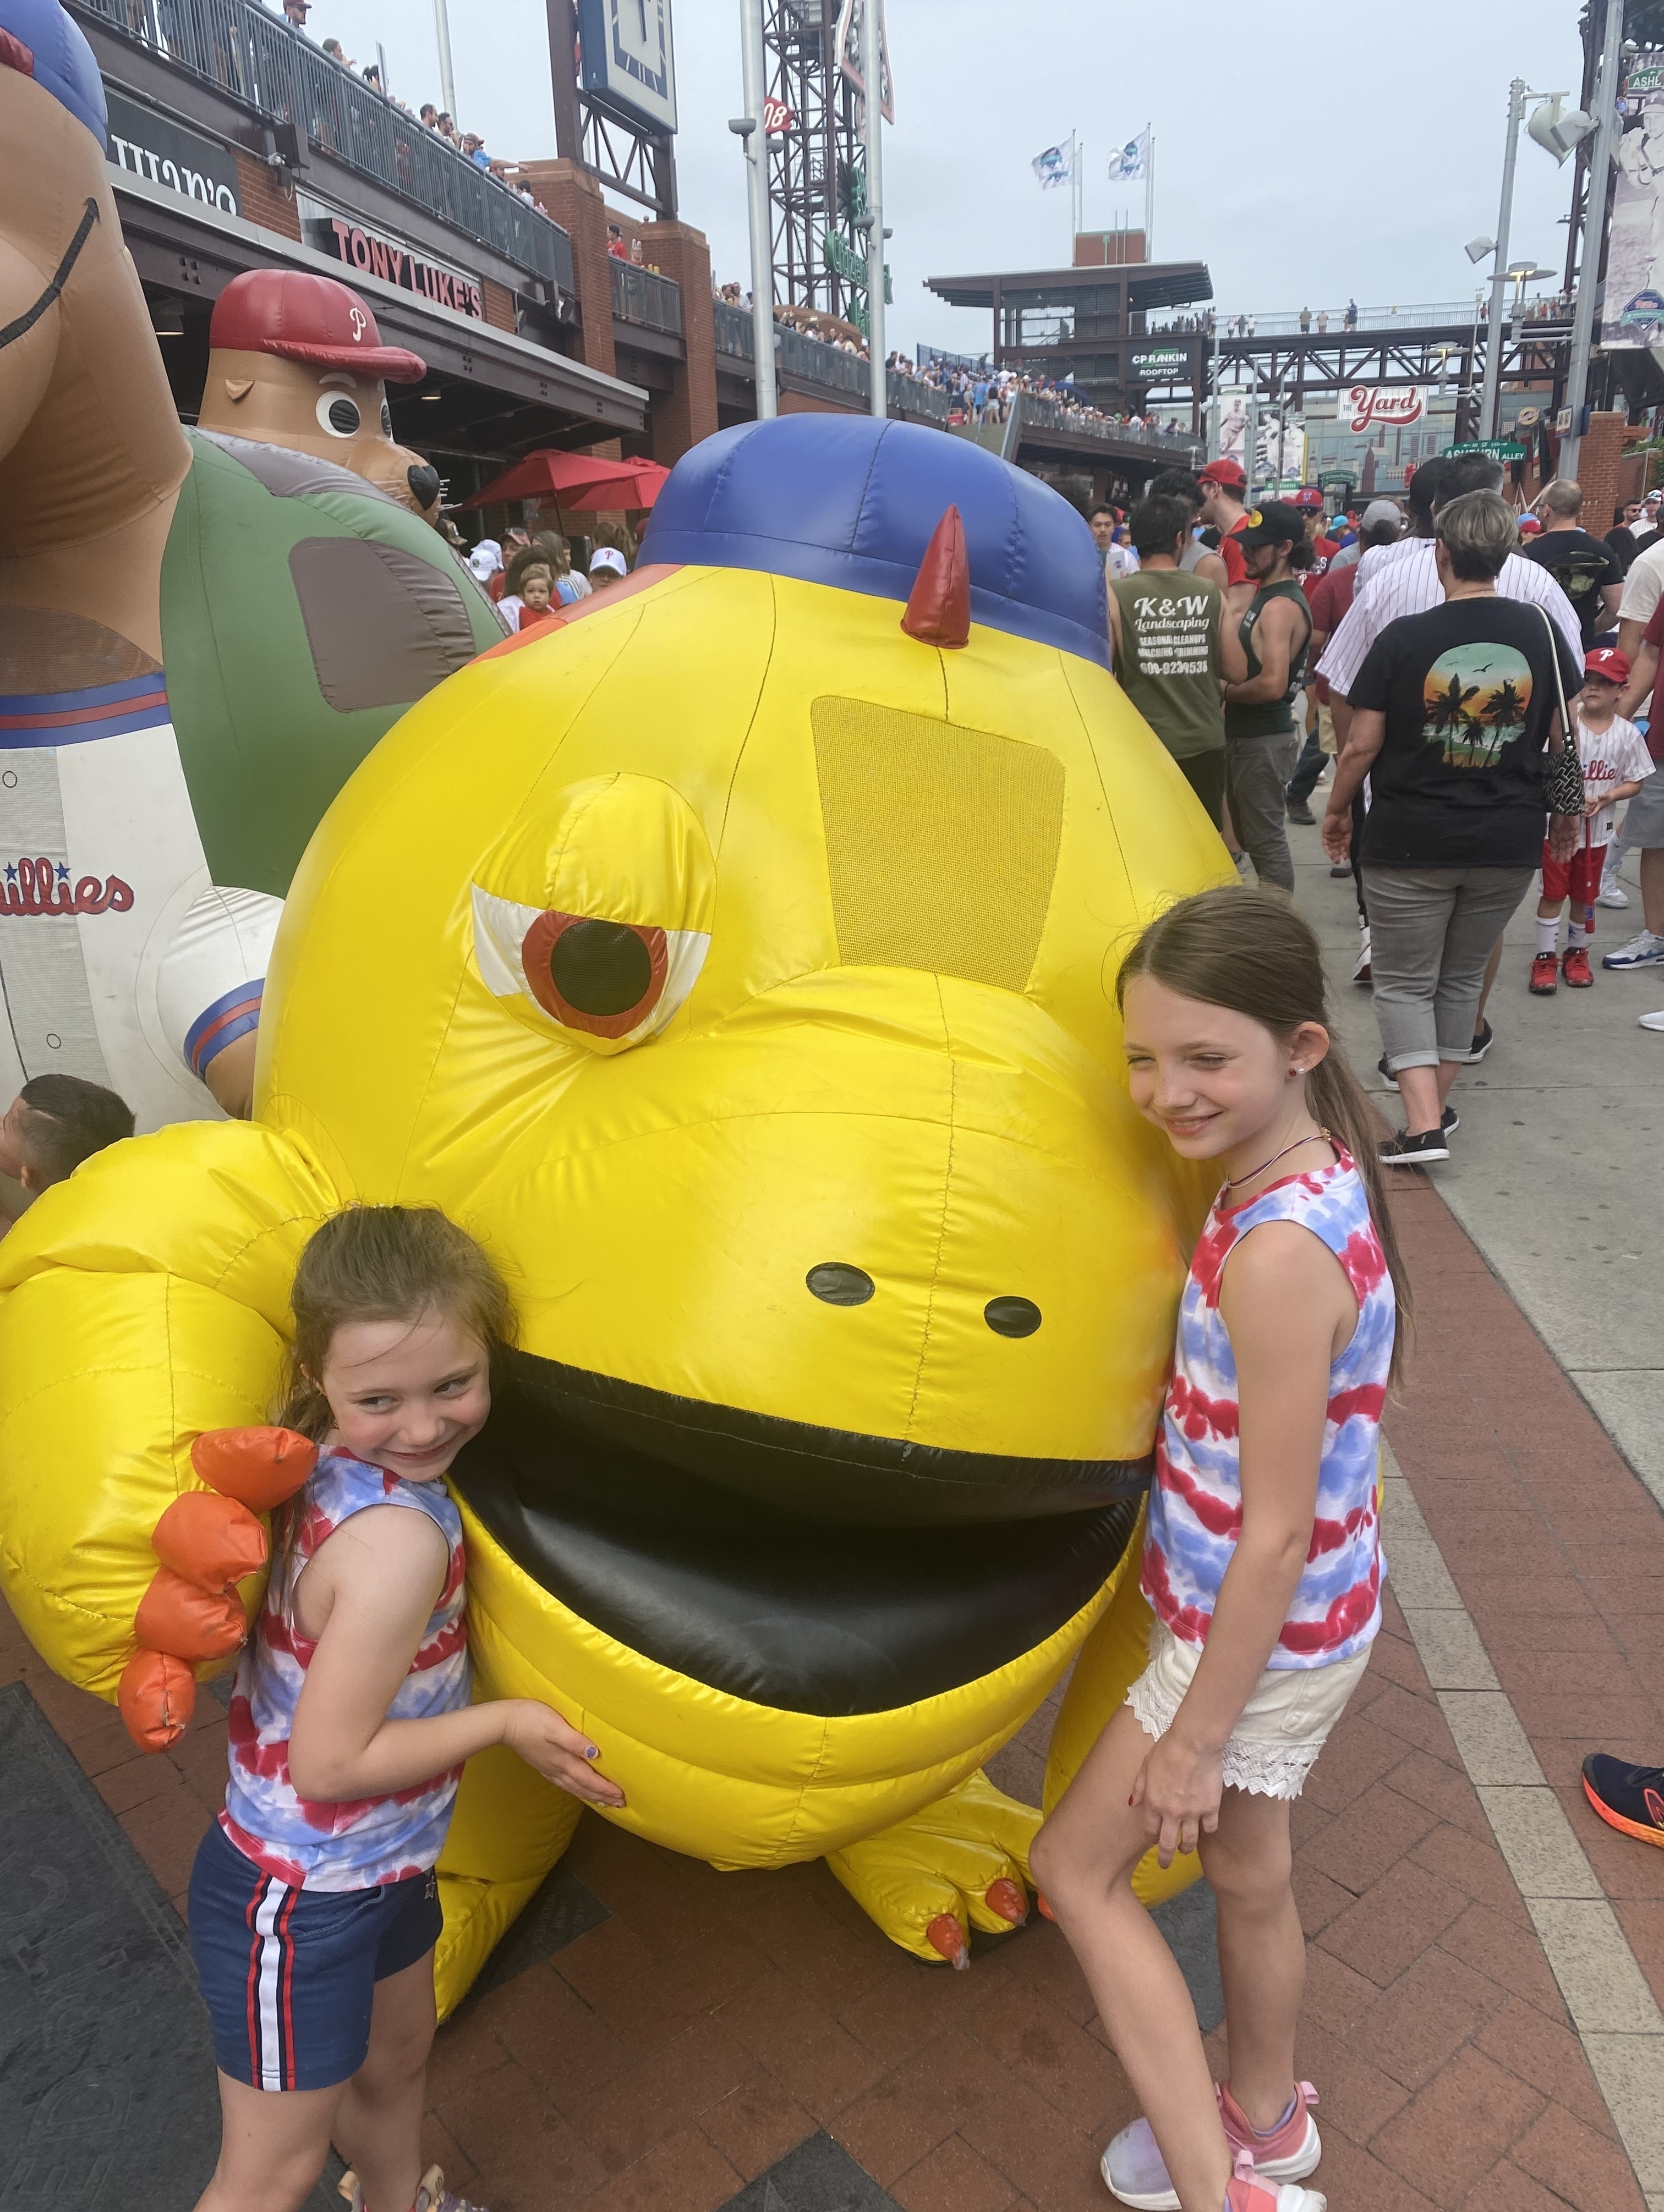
(1642,951)
(1612,893)
(1361,965)
(1135,2172)
(1652,1021)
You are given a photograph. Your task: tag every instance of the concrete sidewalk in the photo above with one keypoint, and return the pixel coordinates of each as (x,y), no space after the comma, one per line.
(1555,1171)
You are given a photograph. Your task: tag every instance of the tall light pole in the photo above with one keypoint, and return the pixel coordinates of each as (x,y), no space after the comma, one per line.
(750,131)
(442,24)
(873,126)
(1493,375)
(1595,224)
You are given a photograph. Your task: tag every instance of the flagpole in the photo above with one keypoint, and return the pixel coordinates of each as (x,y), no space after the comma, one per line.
(1074,187)
(1149,189)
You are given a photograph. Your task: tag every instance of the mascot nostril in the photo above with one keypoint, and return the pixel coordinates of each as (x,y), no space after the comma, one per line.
(736,924)
(1012,1316)
(836,1285)
(422,477)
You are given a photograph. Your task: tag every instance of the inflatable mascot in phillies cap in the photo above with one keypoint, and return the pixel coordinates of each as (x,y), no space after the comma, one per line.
(200,637)
(734,959)
(296,360)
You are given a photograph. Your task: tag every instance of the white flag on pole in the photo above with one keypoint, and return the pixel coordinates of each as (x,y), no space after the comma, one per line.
(1131,161)
(1055,167)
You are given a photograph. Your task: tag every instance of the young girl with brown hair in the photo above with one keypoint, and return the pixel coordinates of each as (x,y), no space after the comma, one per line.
(313,1901)
(1262,1559)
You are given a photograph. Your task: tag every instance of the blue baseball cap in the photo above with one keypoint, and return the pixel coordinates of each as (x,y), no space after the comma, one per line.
(40,40)
(853,503)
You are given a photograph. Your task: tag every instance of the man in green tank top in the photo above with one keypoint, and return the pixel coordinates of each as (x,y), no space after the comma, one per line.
(1172,644)
(1274,627)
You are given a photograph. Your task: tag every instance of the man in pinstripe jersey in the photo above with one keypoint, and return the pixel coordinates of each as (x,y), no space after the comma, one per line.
(1399,579)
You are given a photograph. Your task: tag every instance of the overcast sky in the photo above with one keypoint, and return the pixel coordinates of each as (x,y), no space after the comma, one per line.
(1336,148)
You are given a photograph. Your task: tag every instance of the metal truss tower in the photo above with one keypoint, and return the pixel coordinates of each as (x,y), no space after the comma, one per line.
(816,169)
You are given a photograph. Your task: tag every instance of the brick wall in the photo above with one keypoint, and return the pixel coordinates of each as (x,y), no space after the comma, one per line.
(499,304)
(267,196)
(1598,460)
(573,198)
(681,416)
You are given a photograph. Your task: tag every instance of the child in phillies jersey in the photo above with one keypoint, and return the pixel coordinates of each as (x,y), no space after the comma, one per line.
(1616,763)
(314,1902)
(1262,1557)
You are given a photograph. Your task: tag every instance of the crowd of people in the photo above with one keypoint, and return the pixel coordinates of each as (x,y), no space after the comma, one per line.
(1470,679)
(530,577)
(468,143)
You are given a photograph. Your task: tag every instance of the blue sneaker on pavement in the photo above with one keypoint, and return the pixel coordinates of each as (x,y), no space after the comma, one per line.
(1642,951)
(1628,1798)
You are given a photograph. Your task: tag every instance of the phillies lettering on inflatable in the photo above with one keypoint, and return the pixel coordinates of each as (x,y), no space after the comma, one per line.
(734,959)
(200,637)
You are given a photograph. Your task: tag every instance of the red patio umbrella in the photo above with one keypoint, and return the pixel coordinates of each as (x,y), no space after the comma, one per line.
(551,473)
(635,484)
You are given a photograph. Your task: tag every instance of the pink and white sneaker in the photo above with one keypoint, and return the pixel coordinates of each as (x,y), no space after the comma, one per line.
(1137,2174)
(432,2195)
(1247,2194)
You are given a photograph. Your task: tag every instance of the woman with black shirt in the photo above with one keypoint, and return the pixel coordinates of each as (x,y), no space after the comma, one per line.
(1452,713)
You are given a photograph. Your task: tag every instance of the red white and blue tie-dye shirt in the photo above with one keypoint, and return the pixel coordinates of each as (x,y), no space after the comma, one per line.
(363,1842)
(1196,1502)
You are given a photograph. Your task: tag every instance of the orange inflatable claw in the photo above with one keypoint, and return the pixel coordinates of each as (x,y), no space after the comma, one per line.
(945,1934)
(1046,1913)
(188,1622)
(156,1697)
(259,1468)
(1005,1897)
(210,1541)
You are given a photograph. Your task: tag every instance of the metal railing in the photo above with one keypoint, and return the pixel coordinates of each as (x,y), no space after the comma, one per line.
(1047,414)
(258,59)
(1332,322)
(645,298)
(909,397)
(732,328)
(817,362)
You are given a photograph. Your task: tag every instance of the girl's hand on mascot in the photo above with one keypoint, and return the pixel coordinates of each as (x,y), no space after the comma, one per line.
(558,1750)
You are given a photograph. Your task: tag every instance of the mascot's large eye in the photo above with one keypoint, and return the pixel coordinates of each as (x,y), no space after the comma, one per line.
(608,984)
(338,414)
(603,976)
(617,891)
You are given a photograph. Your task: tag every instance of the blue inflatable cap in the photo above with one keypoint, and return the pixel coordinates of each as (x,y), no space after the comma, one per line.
(55,53)
(853,502)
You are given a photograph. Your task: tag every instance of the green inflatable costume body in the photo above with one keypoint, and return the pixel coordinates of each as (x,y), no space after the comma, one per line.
(161,812)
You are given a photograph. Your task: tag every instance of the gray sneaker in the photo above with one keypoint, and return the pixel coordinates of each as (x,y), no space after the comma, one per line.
(1642,951)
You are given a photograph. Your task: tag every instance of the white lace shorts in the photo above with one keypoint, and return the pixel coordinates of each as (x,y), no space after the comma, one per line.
(1283,1726)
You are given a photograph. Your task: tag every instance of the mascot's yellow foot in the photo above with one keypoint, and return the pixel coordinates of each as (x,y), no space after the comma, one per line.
(509,1829)
(961,1863)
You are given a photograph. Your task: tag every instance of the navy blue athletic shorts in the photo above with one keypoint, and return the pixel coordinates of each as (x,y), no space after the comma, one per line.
(289,1974)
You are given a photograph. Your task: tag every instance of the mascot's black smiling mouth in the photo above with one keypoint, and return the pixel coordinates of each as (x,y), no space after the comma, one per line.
(807,1569)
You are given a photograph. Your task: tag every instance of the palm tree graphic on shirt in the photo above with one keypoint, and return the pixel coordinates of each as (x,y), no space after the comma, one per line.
(1475,698)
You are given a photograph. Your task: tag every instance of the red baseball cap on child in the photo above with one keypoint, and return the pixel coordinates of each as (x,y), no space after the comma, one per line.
(1608,662)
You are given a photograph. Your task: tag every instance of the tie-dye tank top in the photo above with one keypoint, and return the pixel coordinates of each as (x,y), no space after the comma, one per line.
(1196,1501)
(363,1842)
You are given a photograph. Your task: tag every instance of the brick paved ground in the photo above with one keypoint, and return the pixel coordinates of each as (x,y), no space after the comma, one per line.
(712,2023)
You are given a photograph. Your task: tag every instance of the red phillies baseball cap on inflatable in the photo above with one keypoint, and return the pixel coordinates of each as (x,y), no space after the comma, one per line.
(301,317)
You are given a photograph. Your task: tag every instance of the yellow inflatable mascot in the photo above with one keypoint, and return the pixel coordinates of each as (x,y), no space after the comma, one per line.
(734,959)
